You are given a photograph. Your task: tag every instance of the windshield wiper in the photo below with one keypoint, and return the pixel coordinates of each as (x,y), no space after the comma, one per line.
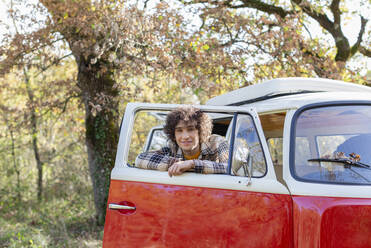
(348,163)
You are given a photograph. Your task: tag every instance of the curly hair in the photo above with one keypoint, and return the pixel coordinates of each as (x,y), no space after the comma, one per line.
(188,114)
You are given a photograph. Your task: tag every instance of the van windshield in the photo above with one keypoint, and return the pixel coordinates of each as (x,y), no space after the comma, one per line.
(333,144)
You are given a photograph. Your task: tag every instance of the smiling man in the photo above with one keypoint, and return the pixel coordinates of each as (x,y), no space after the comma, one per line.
(191,146)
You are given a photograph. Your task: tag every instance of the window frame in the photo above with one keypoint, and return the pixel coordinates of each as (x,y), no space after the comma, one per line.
(133,108)
(232,143)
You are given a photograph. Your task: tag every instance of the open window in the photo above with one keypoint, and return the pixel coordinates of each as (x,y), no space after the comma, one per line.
(146,134)
(156,138)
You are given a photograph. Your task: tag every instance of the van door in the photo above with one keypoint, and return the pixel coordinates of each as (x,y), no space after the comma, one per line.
(246,207)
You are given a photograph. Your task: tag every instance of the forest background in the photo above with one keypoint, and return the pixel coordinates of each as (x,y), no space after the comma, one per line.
(69,67)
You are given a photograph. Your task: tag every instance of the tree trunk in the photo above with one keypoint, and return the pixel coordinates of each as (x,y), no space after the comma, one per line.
(99,96)
(34,136)
(15,164)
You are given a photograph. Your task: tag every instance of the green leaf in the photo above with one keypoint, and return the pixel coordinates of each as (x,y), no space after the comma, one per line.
(205,47)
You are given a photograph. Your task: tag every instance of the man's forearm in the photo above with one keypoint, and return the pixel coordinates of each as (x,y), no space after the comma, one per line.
(154,161)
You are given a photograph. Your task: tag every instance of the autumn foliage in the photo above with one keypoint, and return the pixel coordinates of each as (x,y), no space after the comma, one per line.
(80,62)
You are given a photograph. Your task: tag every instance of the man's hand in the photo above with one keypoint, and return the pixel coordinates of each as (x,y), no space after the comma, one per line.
(179,167)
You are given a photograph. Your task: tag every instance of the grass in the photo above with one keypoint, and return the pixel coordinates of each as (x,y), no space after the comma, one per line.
(55,223)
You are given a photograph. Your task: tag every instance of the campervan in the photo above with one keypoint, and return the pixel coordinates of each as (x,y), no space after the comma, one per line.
(299,172)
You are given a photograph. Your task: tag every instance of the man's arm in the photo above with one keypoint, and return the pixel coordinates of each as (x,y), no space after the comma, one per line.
(155,160)
(219,164)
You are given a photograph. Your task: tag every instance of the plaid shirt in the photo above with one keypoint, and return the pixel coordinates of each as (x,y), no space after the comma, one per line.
(213,157)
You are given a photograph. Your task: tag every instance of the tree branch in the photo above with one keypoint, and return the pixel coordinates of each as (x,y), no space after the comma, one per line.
(259,5)
(334,28)
(365,51)
(255,4)
(228,30)
(321,18)
(53,63)
(356,46)
(336,11)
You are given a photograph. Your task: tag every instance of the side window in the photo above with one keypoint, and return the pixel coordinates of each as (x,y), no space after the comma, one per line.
(156,139)
(275,146)
(147,133)
(144,122)
(275,149)
(247,149)
(247,155)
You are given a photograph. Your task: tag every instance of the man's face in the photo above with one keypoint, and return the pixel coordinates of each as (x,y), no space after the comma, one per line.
(186,136)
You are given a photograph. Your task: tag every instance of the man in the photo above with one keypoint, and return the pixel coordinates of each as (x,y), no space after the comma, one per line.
(191,145)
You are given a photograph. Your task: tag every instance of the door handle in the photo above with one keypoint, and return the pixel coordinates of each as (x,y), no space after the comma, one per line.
(120,207)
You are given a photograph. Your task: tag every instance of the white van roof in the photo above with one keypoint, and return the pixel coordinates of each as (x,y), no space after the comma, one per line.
(284,87)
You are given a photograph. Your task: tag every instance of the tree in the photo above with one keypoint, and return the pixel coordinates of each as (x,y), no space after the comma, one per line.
(107,38)
(276,30)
